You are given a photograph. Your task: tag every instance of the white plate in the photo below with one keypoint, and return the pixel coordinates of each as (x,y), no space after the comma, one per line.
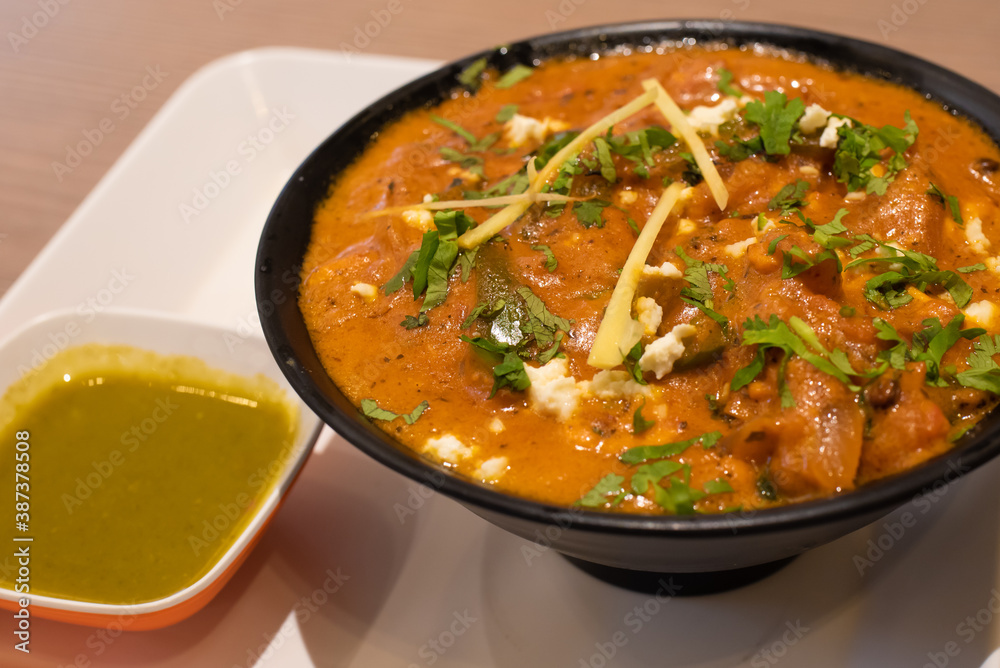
(347,575)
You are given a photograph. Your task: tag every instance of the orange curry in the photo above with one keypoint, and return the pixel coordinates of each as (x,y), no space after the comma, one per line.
(823,318)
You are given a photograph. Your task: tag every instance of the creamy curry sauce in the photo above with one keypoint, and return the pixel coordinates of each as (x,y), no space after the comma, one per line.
(758,423)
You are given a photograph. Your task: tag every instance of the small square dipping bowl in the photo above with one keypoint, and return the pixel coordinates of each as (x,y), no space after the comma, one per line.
(220,349)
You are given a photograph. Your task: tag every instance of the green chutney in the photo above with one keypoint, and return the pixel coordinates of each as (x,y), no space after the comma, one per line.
(144,469)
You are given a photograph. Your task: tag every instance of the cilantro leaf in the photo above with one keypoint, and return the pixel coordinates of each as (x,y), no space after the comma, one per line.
(506,113)
(515,74)
(776,117)
(692,172)
(609,485)
(631,363)
(979,266)
(510,373)
(740,149)
(428,247)
(725,79)
(405,273)
(370,408)
(471,163)
(888,289)
(699,292)
(678,497)
(603,151)
(717,486)
(546,356)
(438,272)
(929,345)
(639,423)
(551,263)
(411,322)
(469,77)
(456,128)
(789,197)
(437,256)
(643,453)
(589,212)
(541,322)
(484,310)
(475,145)
(798,338)
(952,202)
(983,372)
(825,235)
(549,149)
(653,473)
(860,148)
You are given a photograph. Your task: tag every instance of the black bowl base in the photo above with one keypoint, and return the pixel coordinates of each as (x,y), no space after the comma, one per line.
(679,584)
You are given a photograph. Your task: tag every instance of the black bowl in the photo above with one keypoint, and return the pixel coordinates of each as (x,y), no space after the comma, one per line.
(746,544)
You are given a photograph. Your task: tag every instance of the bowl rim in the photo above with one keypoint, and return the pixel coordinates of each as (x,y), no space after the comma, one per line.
(957,94)
(143,324)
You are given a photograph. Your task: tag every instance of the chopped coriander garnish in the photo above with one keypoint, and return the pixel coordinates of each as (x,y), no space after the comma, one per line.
(699,292)
(541,322)
(983,372)
(928,345)
(725,79)
(475,145)
(546,356)
(860,148)
(776,116)
(506,113)
(631,363)
(888,289)
(740,149)
(979,266)
(603,152)
(798,338)
(717,486)
(637,146)
(639,423)
(412,322)
(847,311)
(952,202)
(469,77)
(456,128)
(789,197)
(510,371)
(692,172)
(517,73)
(825,235)
(551,263)
(773,246)
(647,474)
(467,260)
(437,256)
(484,310)
(589,212)
(791,268)
(675,496)
(644,453)
(404,274)
(609,486)
(370,408)
(471,163)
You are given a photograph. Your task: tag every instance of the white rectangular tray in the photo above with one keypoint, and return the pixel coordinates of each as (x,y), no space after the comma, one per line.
(365,568)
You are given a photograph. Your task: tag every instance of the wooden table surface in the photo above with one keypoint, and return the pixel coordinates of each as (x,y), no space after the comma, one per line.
(67,64)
